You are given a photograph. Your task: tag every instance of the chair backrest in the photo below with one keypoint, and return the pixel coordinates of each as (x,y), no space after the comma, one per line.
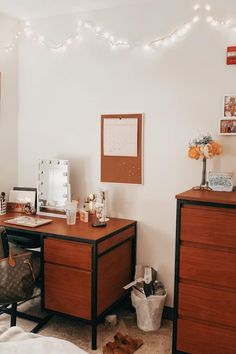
(4,247)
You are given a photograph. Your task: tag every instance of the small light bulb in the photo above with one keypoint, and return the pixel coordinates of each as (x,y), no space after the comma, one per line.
(188,26)
(196,19)
(196,7)
(97,29)
(182,31)
(166,42)
(123,43)
(209,19)
(173,37)
(146,47)
(87,25)
(126,44)
(28,32)
(106,35)
(79,38)
(157,43)
(207,7)
(214,23)
(69,41)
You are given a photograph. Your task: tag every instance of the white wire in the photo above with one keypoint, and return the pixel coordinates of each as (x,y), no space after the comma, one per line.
(110,39)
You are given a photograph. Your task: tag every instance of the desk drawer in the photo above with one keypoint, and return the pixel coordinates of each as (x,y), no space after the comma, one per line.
(209,225)
(208,266)
(116,239)
(207,304)
(197,338)
(67,290)
(68,253)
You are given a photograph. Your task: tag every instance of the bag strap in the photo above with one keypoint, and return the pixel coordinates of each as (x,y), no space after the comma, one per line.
(4,242)
(11,261)
(30,266)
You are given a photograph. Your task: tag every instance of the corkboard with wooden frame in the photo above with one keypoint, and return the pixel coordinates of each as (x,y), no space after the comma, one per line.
(122,169)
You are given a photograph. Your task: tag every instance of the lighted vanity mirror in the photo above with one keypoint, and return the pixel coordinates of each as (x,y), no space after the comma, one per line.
(53,187)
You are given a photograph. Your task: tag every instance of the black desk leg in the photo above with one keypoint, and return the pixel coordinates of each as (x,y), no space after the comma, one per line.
(94,336)
(13,314)
(94,297)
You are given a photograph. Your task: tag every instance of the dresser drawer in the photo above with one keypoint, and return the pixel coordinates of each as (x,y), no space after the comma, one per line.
(197,338)
(68,253)
(209,225)
(67,290)
(208,266)
(207,304)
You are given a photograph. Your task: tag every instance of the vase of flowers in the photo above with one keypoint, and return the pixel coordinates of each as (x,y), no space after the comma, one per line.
(204,148)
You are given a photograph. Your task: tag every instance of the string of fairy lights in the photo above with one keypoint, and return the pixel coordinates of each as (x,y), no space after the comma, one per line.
(114,42)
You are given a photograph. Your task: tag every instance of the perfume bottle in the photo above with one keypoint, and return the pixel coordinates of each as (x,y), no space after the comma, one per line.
(97,219)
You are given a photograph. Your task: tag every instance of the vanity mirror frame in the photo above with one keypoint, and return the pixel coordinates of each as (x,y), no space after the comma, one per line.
(53,187)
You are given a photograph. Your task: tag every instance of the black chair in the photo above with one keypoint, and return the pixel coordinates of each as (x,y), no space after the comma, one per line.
(13,247)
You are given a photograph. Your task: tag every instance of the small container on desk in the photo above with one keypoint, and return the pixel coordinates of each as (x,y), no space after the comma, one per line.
(3,205)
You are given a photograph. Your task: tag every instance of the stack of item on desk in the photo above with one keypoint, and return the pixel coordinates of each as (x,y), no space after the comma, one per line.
(148,297)
(2,203)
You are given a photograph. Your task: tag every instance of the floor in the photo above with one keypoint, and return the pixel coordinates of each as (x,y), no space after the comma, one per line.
(158,342)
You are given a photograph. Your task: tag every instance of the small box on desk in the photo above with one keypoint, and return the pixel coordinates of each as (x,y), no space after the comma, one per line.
(15,207)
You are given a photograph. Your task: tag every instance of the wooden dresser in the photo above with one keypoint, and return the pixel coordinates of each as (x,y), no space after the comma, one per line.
(205,273)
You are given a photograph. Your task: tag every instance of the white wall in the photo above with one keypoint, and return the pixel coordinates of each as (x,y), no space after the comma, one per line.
(8,103)
(179,88)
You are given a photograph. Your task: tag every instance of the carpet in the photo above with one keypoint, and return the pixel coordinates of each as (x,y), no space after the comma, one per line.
(157,342)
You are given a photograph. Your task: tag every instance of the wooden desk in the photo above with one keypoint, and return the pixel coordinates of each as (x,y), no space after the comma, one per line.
(84,268)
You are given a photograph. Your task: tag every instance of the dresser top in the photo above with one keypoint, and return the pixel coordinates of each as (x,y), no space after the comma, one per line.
(208,196)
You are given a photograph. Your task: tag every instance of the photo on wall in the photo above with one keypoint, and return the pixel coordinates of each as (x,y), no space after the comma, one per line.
(230,106)
(228,126)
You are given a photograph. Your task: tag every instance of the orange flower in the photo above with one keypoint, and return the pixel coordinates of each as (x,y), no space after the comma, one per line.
(194,152)
(212,149)
(216,148)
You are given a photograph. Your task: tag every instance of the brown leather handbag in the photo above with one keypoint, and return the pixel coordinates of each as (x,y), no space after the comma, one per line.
(16,278)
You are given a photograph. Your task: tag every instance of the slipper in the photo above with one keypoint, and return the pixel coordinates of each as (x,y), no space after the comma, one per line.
(122,345)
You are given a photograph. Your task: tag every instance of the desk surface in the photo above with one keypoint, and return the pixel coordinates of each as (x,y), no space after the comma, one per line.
(59,227)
